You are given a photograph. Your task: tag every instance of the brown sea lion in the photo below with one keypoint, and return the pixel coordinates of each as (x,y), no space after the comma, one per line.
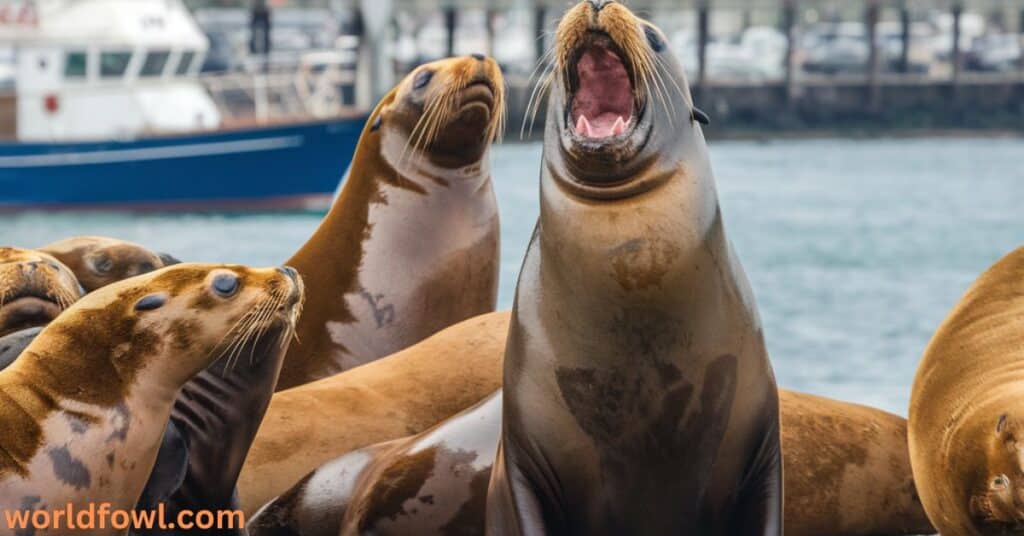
(638,395)
(388,399)
(966,428)
(98,261)
(411,244)
(83,409)
(34,288)
(436,481)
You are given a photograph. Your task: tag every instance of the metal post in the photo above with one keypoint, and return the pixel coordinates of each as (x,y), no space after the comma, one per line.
(874,57)
(789,11)
(703,30)
(1020,38)
(956,57)
(905,38)
(450,19)
(492,15)
(539,23)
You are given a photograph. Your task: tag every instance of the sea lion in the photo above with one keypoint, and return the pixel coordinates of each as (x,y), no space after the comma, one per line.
(411,244)
(34,288)
(13,344)
(98,261)
(436,481)
(966,422)
(84,407)
(388,399)
(638,395)
(847,470)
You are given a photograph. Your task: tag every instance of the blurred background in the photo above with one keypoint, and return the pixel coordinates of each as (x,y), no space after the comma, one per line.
(868,152)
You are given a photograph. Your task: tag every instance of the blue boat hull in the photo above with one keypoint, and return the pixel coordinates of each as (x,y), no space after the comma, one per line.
(281,166)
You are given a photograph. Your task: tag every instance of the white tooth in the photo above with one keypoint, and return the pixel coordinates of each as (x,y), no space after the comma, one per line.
(619,127)
(583,127)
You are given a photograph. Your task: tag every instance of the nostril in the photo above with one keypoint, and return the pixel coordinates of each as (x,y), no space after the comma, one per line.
(598,5)
(478,56)
(289,271)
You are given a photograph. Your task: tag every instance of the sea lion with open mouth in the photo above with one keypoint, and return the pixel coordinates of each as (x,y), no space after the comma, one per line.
(410,247)
(84,408)
(638,395)
(34,288)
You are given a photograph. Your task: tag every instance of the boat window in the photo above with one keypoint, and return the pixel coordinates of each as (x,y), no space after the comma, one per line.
(155,62)
(74,64)
(185,63)
(114,64)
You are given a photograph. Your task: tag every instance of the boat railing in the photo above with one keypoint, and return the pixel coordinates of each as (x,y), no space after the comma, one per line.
(270,94)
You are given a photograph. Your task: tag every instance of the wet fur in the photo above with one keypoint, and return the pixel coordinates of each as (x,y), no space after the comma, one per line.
(413,188)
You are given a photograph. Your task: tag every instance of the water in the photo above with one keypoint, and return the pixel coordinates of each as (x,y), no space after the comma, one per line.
(856,249)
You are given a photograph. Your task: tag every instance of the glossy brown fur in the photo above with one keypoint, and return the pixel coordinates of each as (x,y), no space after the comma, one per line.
(112,372)
(847,470)
(36,277)
(847,474)
(411,245)
(967,409)
(98,261)
(388,399)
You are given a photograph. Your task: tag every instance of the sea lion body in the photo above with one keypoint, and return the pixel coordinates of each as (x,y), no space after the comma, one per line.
(98,261)
(435,482)
(966,421)
(34,288)
(847,470)
(411,244)
(84,406)
(638,395)
(392,398)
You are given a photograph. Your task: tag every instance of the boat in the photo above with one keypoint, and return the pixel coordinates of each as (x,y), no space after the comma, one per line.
(109,111)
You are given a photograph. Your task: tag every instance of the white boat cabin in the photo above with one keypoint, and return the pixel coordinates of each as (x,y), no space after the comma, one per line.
(104,69)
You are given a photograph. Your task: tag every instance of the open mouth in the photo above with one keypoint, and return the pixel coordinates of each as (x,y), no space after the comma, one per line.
(603,102)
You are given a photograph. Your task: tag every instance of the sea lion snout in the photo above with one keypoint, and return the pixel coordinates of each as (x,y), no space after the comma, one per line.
(34,289)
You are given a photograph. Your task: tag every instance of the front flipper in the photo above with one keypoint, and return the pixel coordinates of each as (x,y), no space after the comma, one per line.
(12,345)
(514,506)
(759,510)
(168,471)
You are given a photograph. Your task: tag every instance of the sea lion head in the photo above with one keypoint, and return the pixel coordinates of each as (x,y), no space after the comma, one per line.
(166,326)
(997,502)
(627,192)
(449,110)
(620,107)
(99,261)
(34,288)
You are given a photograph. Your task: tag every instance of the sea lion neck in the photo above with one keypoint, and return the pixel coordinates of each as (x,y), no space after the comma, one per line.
(397,208)
(654,248)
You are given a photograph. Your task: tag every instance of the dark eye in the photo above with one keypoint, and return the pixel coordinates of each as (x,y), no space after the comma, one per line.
(422,79)
(103,264)
(654,39)
(153,301)
(146,267)
(1000,482)
(225,285)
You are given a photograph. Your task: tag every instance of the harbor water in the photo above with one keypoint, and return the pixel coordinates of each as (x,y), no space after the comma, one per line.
(856,249)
